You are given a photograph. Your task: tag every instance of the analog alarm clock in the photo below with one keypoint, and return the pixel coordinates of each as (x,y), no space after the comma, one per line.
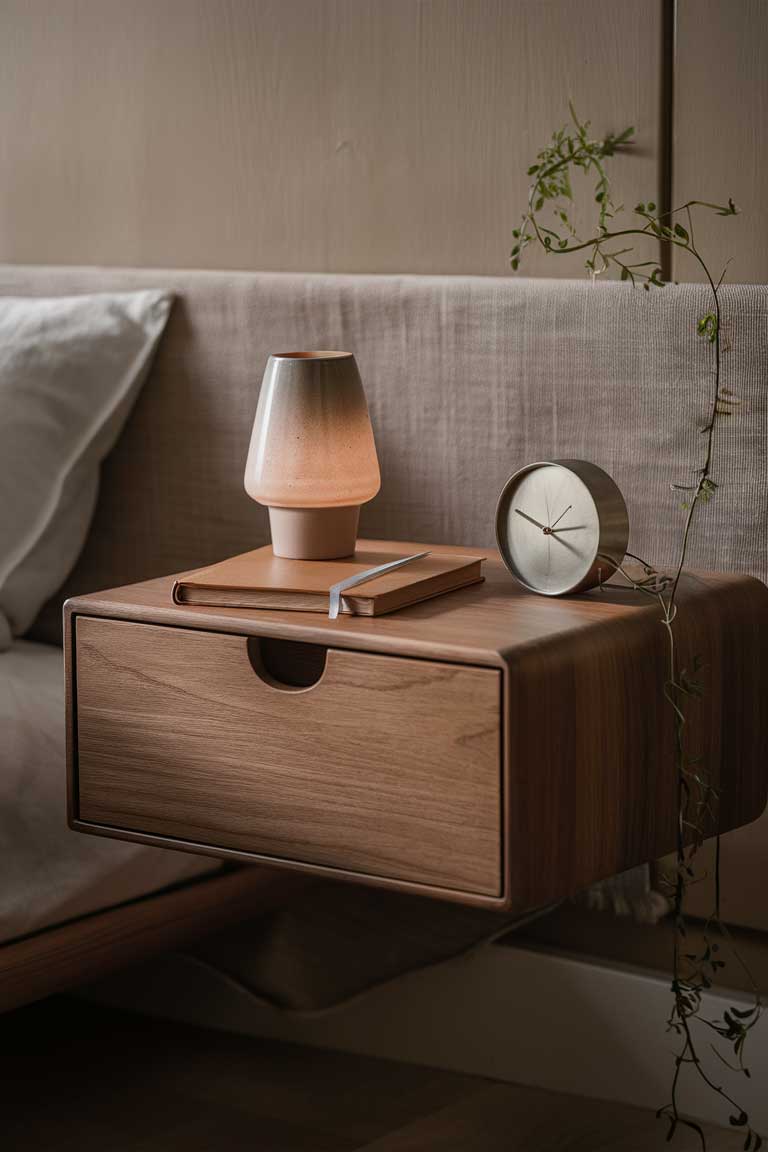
(561,526)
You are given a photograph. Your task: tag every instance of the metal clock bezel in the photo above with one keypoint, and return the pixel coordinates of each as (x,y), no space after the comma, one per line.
(611,513)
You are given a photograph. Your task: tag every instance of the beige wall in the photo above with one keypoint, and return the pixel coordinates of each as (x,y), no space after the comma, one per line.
(343,135)
(721,129)
(358,135)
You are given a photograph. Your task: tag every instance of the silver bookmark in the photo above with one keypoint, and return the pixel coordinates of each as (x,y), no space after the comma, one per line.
(336,590)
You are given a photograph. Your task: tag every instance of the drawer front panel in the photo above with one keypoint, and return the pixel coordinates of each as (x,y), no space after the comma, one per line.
(387,766)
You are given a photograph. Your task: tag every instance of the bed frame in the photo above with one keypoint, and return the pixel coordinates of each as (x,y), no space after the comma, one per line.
(81,951)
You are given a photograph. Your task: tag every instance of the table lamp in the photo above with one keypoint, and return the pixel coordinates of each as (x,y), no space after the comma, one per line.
(312,458)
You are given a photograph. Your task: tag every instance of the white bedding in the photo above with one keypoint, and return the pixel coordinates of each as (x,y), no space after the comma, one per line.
(49,874)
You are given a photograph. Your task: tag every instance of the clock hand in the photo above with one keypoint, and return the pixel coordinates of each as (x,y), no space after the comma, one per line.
(552,526)
(565,544)
(525,516)
(569,528)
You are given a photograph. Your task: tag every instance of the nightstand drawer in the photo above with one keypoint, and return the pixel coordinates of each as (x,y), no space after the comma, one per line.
(382,765)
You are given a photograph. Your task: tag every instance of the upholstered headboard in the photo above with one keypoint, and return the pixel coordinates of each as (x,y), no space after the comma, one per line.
(467,379)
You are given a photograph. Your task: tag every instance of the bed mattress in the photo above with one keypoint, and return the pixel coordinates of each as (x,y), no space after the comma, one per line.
(49,874)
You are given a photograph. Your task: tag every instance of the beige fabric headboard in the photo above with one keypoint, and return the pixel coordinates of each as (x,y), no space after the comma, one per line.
(467,379)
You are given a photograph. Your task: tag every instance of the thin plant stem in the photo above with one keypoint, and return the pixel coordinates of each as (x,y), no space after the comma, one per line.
(693,973)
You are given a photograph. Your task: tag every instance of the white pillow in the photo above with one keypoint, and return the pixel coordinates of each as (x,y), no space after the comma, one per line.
(70,371)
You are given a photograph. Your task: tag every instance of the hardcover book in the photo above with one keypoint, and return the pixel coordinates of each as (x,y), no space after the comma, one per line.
(259,579)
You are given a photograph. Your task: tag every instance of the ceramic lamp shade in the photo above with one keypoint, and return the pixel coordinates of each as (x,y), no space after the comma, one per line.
(312,459)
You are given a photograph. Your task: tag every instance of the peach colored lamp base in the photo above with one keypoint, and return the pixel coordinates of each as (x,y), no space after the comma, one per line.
(314,533)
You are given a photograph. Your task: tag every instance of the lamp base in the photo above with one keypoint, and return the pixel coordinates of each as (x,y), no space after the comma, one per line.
(314,533)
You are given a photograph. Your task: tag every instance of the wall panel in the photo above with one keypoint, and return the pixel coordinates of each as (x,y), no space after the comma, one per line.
(721,131)
(340,135)
(721,150)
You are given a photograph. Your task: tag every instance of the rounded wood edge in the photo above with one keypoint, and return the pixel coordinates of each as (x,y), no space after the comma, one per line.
(497,902)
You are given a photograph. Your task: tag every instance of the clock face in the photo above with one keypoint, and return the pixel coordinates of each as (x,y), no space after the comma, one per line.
(557,523)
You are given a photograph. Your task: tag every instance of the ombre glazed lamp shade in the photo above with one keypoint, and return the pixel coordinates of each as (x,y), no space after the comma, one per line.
(312,459)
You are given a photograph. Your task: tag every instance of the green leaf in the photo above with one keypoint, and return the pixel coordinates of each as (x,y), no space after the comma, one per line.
(681,232)
(533,169)
(651,207)
(707,327)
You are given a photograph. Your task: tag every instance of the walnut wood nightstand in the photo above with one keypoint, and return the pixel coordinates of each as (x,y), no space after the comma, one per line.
(489,746)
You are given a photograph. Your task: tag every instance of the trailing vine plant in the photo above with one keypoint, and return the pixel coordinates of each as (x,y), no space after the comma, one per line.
(610,247)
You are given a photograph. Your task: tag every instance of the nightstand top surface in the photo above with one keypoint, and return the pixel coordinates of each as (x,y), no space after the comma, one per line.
(489,623)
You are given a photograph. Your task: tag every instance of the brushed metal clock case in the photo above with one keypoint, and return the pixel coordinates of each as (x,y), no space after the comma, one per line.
(612,516)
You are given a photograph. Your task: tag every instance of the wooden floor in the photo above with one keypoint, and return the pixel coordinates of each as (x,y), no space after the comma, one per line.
(76,1077)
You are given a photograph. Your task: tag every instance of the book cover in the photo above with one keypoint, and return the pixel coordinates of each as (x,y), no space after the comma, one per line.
(259,579)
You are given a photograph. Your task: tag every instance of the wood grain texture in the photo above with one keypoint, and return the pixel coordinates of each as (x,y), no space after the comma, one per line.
(743,868)
(386,766)
(513,1118)
(328,135)
(122,1082)
(168,1087)
(86,949)
(720,132)
(588,775)
(589,712)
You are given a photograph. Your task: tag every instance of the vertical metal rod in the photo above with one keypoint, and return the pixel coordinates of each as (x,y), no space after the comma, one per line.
(667,125)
